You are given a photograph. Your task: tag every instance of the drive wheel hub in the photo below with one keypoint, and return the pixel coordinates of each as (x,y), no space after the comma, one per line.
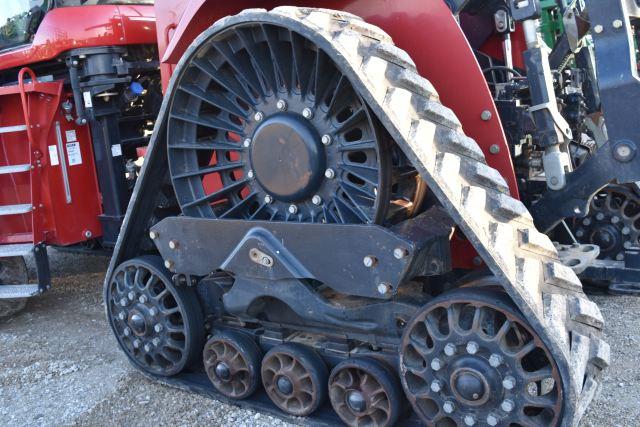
(356,401)
(137,323)
(222,371)
(470,386)
(287,157)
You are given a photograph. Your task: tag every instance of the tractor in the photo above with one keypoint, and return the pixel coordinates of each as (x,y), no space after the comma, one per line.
(361,212)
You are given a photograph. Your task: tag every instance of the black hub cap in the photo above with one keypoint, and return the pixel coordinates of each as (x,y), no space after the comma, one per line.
(223,372)
(356,401)
(263,125)
(137,323)
(284,385)
(473,380)
(287,157)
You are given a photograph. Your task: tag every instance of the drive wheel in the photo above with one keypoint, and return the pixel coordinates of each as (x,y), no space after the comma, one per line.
(295,378)
(468,357)
(158,325)
(364,392)
(232,362)
(13,271)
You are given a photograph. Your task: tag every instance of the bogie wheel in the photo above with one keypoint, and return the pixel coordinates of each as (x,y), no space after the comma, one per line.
(13,271)
(263,125)
(232,362)
(364,392)
(295,378)
(158,325)
(468,357)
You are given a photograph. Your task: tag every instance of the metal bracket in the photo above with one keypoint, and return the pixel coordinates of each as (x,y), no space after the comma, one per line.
(559,121)
(523,10)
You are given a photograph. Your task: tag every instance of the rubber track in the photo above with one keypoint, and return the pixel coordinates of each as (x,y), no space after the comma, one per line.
(500,227)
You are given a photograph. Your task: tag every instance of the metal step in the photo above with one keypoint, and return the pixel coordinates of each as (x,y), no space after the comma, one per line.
(18,291)
(9,129)
(14,169)
(14,209)
(18,249)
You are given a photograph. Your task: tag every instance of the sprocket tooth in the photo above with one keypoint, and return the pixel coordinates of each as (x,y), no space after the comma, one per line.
(417,84)
(458,143)
(434,111)
(391,53)
(488,177)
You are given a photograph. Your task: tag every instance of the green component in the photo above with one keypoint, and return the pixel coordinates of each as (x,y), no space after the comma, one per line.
(551,21)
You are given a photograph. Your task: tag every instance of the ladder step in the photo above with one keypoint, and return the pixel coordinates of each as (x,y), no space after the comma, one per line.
(18,291)
(14,169)
(16,249)
(14,209)
(9,129)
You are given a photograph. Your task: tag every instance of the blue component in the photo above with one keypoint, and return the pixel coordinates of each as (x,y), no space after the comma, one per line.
(136,88)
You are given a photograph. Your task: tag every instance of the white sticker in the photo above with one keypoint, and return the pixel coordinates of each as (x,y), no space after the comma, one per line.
(53,155)
(71,135)
(87,99)
(73,153)
(116,150)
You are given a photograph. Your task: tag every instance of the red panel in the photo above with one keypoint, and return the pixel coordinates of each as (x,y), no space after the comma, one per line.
(426,29)
(69,28)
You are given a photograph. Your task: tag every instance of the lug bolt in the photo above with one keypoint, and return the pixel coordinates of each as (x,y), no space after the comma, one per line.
(436,386)
(450,349)
(246,143)
(155,342)
(173,244)
(492,420)
(268,199)
(448,407)
(153,311)
(143,299)
(436,364)
(293,209)
(169,264)
(615,219)
(509,382)
(251,174)
(158,328)
(507,405)
(586,222)
(154,235)
(626,231)
(472,347)
(369,261)
(122,316)
(147,348)
(400,253)
(282,105)
(131,295)
(486,115)
(617,24)
(330,173)
(258,116)
(580,233)
(598,29)
(384,288)
(136,343)
(126,332)
(326,139)
(469,420)
(316,200)
(600,216)
(124,302)
(307,113)
(495,360)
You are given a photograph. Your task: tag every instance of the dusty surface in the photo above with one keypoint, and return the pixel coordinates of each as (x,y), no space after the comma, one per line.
(59,365)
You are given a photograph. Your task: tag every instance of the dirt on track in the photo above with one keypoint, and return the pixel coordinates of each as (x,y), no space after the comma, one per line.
(60,365)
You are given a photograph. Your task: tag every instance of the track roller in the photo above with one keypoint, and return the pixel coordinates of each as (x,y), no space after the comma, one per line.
(364,392)
(468,357)
(232,361)
(158,325)
(295,378)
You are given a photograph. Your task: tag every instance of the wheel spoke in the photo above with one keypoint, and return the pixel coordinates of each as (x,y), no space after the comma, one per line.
(217,195)
(211,169)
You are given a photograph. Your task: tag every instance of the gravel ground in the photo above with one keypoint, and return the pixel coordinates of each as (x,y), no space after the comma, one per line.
(60,365)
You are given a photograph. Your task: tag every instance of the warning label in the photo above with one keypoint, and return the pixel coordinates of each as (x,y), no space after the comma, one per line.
(73,153)
(53,156)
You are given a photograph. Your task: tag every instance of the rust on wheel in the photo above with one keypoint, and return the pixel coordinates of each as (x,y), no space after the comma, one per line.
(232,362)
(364,392)
(468,357)
(295,378)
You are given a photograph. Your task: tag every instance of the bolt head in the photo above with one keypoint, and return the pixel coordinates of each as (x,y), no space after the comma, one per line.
(326,139)
(495,360)
(307,113)
(124,302)
(136,343)
(599,216)
(143,299)
(158,328)
(293,209)
(258,116)
(469,420)
(626,231)
(509,382)
(617,24)
(620,257)
(153,311)
(251,174)
(168,264)
(330,173)
(155,342)
(472,347)
(492,420)
(369,261)
(147,347)
(126,332)
(627,245)
(448,407)
(586,221)
(384,288)
(486,115)
(436,386)
(580,233)
(268,199)
(450,349)
(173,244)
(316,200)
(122,316)
(598,29)
(477,261)
(281,105)
(400,253)
(436,364)
(154,235)
(494,149)
(131,295)
(507,405)
(246,143)
(615,219)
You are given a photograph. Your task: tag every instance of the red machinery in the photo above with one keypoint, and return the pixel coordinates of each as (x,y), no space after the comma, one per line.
(53,192)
